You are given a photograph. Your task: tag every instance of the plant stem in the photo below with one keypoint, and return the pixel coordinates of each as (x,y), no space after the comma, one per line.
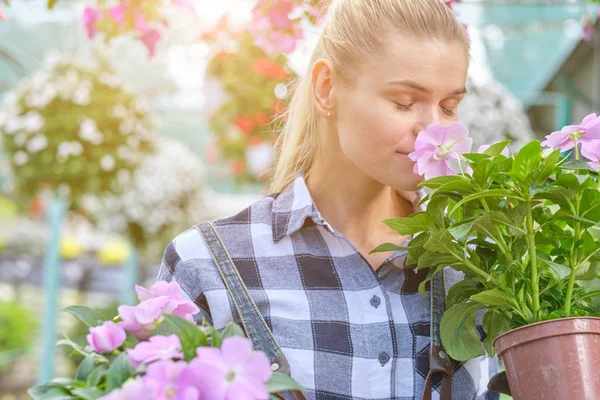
(501,241)
(574,262)
(535,290)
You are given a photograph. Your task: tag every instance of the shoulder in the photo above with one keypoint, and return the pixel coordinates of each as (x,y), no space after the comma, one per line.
(237,232)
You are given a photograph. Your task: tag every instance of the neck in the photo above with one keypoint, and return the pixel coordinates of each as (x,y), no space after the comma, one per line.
(355,204)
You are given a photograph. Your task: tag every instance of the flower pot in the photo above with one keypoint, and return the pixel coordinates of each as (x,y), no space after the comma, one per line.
(553,360)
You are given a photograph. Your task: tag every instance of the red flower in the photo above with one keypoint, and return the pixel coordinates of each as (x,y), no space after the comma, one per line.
(261,118)
(238,167)
(269,68)
(245,123)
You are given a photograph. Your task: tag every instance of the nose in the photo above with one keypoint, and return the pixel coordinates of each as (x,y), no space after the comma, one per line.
(428,117)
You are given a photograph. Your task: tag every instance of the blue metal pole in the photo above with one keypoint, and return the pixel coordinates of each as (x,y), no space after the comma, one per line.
(130,272)
(55,214)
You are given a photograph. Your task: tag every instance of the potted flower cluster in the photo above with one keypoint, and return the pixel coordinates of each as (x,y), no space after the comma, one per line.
(523,228)
(154,350)
(73,128)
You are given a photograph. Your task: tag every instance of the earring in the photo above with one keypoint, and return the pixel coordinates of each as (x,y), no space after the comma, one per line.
(328,114)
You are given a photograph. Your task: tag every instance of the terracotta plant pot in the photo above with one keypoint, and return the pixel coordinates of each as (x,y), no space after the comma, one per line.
(553,360)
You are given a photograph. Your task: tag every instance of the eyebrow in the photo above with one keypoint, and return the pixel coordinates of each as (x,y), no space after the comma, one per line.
(420,88)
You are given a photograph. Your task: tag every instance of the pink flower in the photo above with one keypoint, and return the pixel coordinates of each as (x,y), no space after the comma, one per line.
(106,337)
(131,389)
(183,4)
(177,304)
(2,16)
(595,165)
(117,13)
(484,147)
(233,372)
(585,133)
(436,145)
(279,13)
(142,319)
(173,381)
(160,288)
(150,37)
(90,16)
(156,349)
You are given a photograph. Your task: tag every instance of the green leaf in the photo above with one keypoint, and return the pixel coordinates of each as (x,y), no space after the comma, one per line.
(494,323)
(86,315)
(416,249)
(190,336)
(232,330)
(481,172)
(461,186)
(578,165)
(462,291)
(562,271)
(282,383)
(589,270)
(496,148)
(566,216)
(432,258)
(476,157)
(422,289)
(438,181)
(436,208)
(416,223)
(494,193)
(85,368)
(559,195)
(96,375)
(547,168)
(50,392)
(496,298)
(441,241)
(460,231)
(382,248)
(459,333)
(119,371)
(51,4)
(527,160)
(590,204)
(90,393)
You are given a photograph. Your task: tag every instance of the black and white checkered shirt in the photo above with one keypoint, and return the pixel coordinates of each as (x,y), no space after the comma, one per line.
(347,331)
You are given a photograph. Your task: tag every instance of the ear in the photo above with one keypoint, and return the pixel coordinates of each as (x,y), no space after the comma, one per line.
(323,83)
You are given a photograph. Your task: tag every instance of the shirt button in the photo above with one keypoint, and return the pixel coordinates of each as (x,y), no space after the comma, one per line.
(375,301)
(384,358)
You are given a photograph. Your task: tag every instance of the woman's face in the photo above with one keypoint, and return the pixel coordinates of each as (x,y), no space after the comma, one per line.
(416,82)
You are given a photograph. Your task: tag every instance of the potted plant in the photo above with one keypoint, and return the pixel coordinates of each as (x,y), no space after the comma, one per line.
(154,350)
(523,228)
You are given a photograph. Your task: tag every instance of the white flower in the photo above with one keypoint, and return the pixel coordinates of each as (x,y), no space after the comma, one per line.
(41,98)
(107,162)
(20,139)
(37,143)
(259,158)
(119,111)
(89,132)
(13,124)
(110,80)
(126,127)
(33,121)
(81,96)
(20,157)
(66,149)
(133,142)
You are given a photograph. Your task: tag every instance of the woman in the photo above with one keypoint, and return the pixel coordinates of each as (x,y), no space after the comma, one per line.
(349,323)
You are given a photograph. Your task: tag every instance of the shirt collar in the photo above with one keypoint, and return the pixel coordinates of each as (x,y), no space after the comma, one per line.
(294,205)
(291,209)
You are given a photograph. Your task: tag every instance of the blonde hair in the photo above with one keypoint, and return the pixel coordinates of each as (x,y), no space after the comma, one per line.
(352,30)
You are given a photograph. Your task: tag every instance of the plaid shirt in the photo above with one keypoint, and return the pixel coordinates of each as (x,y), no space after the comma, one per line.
(348,332)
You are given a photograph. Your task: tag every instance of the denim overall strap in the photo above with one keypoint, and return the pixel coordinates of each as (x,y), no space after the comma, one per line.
(254,324)
(439,361)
